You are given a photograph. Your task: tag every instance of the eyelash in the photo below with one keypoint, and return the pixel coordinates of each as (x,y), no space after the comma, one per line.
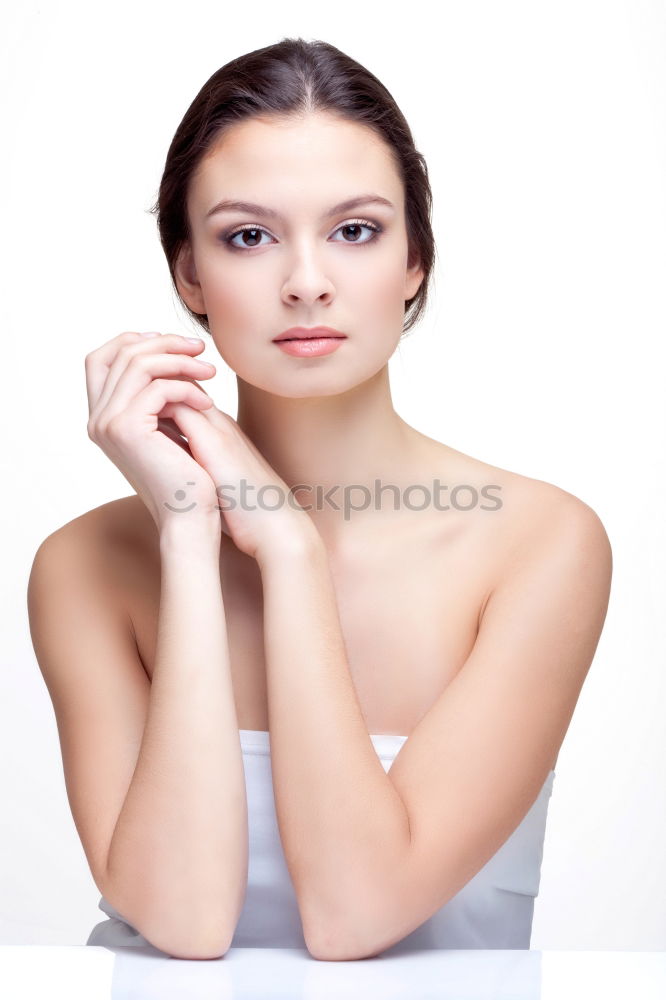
(377,230)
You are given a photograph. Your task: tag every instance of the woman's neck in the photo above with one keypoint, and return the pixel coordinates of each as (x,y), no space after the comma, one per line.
(337,445)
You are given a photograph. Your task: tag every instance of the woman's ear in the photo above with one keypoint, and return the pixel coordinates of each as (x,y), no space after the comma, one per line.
(413,277)
(187,282)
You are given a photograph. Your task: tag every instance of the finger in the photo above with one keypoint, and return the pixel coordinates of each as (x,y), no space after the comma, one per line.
(162,344)
(217,417)
(204,440)
(219,449)
(142,413)
(98,362)
(227,423)
(109,362)
(142,369)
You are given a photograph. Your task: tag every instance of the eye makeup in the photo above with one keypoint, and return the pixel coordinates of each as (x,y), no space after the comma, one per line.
(374,227)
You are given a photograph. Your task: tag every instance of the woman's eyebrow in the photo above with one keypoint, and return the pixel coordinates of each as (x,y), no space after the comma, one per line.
(270,213)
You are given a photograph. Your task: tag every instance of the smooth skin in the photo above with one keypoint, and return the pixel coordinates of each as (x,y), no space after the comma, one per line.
(372,855)
(153,768)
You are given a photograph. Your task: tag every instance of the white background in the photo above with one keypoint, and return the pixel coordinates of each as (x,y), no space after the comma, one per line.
(543,125)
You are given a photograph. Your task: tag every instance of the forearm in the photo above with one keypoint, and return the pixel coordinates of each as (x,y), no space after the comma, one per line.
(177,863)
(342,822)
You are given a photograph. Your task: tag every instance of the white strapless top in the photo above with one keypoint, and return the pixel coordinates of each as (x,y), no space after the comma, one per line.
(493,910)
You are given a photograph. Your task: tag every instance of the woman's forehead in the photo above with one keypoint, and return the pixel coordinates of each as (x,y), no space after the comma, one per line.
(273,166)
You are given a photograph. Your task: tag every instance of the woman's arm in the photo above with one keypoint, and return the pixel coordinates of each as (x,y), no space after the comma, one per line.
(373,855)
(178,858)
(342,823)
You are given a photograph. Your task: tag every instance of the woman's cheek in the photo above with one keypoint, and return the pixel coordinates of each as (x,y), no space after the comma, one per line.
(388,294)
(230,298)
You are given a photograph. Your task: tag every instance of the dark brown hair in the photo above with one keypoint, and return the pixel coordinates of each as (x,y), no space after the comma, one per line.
(291,78)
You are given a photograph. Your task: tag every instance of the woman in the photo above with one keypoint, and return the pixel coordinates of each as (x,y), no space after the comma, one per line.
(411,625)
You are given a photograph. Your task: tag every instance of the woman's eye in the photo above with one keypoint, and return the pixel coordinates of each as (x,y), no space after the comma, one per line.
(250,236)
(253,233)
(355,227)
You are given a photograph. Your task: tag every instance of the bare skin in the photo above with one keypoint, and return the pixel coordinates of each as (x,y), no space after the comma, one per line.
(391,600)
(410,597)
(411,585)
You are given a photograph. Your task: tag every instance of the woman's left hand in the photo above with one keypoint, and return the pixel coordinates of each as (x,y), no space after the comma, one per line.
(257,510)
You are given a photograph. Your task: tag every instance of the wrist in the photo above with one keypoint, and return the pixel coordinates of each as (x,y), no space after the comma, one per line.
(187,534)
(301,542)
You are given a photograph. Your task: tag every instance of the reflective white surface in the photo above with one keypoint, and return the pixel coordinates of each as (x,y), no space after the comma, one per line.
(51,972)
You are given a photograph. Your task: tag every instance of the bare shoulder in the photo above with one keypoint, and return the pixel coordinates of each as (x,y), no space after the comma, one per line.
(545,512)
(557,531)
(112,541)
(524,507)
(119,522)
(508,521)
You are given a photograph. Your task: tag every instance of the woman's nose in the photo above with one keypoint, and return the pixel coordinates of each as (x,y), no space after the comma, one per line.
(307,280)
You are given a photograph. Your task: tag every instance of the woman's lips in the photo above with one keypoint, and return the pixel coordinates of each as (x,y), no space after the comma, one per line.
(311,347)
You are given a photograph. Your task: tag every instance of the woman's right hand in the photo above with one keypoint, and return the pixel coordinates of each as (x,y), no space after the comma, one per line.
(129,381)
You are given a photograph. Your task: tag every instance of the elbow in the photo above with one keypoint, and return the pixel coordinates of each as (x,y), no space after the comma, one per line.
(318,947)
(190,954)
(347,931)
(203,953)
(177,928)
(363,932)
(329,945)
(202,936)
(322,941)
(327,952)
(190,944)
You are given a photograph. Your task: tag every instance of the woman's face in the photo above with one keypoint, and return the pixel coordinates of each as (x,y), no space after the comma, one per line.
(346,270)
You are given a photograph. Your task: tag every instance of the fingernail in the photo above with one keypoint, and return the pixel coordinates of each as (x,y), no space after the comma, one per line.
(194,340)
(151,333)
